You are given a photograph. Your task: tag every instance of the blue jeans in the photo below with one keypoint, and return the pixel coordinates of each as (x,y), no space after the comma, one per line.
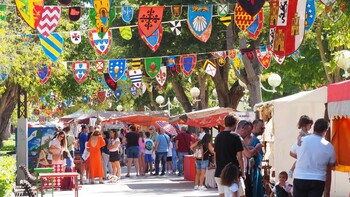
(161,156)
(180,163)
(174,162)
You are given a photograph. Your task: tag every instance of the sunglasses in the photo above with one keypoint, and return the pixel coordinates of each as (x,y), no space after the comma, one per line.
(61,136)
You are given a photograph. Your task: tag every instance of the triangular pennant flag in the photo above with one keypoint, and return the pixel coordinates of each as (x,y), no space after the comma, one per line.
(136,63)
(175,26)
(242,18)
(152,66)
(101,95)
(296,55)
(226,20)
(279,59)
(127,13)
(74,13)
(52,45)
(222,9)
(176,10)
(50,16)
(100,65)
(188,63)
(125,32)
(264,56)
(310,14)
(44,73)
(221,57)
(116,69)
(101,45)
(150,19)
(136,77)
(199,21)
(102,16)
(3,76)
(133,91)
(171,61)
(161,76)
(209,67)
(153,41)
(118,93)
(110,82)
(75,37)
(30,11)
(80,70)
(235,58)
(335,10)
(26,38)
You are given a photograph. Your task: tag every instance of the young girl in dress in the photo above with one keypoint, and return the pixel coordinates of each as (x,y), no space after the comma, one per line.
(230,180)
(67,182)
(304,124)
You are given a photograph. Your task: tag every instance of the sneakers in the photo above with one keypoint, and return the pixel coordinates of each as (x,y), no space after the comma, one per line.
(202,188)
(290,174)
(196,187)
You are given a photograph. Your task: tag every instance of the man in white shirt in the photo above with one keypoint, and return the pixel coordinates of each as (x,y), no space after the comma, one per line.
(313,156)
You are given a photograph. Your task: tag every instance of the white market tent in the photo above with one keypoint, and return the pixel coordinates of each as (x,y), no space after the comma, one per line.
(282,131)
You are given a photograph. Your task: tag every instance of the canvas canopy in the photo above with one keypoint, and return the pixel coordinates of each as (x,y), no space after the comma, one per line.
(283,132)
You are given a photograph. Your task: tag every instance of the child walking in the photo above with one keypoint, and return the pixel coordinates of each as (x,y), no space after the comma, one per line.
(282,187)
(169,159)
(230,179)
(67,182)
(149,146)
(304,124)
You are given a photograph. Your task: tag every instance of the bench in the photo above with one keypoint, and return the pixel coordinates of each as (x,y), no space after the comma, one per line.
(52,176)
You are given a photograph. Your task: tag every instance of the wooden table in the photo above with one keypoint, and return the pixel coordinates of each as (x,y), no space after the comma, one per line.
(43,176)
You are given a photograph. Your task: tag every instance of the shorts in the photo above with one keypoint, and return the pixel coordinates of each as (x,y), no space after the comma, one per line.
(148,158)
(132,152)
(202,164)
(221,187)
(169,159)
(114,156)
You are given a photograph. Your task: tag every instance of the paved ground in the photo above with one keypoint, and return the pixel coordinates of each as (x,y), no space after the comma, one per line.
(145,186)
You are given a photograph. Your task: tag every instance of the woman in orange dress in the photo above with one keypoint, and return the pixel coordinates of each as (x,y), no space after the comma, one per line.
(95,143)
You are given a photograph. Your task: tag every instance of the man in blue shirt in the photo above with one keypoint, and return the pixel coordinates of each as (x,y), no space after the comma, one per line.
(161,147)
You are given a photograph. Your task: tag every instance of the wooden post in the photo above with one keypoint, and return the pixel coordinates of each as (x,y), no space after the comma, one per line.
(327,188)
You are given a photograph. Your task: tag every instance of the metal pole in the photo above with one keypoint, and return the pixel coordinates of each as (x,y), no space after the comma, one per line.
(169,106)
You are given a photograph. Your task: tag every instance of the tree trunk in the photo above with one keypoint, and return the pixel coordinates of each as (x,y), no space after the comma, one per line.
(181,96)
(203,104)
(8,103)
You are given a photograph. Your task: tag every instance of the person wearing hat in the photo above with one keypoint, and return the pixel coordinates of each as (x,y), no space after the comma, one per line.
(154,133)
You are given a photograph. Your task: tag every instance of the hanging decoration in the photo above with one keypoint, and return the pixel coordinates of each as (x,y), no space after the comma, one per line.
(127,13)
(110,81)
(310,14)
(222,9)
(188,63)
(152,66)
(136,77)
(296,55)
(52,45)
(242,18)
(175,26)
(101,45)
(252,7)
(125,32)
(279,59)
(44,73)
(289,32)
(176,10)
(116,69)
(209,67)
(226,20)
(101,95)
(102,16)
(327,2)
(220,56)
(264,54)
(150,19)
(74,13)
(335,10)
(133,91)
(100,65)
(171,61)
(50,16)
(199,19)
(86,99)
(64,2)
(176,69)
(118,93)
(75,36)
(136,63)
(30,11)
(103,82)
(26,38)
(2,14)
(3,76)
(80,70)
(235,58)
(256,27)
(161,76)
(153,41)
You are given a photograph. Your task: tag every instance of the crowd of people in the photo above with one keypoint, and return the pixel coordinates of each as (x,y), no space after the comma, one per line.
(237,155)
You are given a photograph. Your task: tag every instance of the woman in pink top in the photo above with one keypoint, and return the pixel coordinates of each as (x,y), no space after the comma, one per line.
(142,145)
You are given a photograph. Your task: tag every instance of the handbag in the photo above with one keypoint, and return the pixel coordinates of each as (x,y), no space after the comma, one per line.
(86,154)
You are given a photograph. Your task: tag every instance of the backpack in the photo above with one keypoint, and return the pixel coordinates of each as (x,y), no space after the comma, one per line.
(199,152)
